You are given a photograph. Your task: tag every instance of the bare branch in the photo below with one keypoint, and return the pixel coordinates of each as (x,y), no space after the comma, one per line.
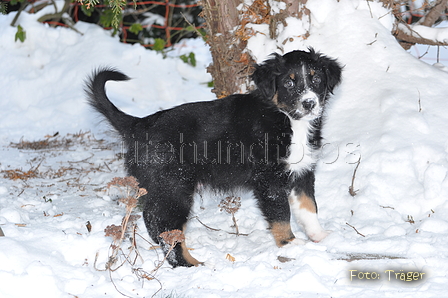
(408,37)
(434,13)
(351,189)
(354,229)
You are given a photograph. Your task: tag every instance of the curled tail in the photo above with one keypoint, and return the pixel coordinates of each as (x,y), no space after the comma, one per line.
(97,98)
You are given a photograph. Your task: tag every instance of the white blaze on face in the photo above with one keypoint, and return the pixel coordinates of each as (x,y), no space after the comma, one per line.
(305,76)
(308,105)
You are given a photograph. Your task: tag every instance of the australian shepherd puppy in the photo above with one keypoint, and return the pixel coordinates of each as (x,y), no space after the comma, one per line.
(266,141)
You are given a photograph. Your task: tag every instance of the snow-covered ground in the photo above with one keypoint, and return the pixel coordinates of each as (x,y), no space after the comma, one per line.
(390,114)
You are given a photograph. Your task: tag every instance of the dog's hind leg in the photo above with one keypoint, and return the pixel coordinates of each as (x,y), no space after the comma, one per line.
(166,211)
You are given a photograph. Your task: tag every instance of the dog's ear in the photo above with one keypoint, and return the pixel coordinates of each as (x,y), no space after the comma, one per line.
(265,75)
(333,71)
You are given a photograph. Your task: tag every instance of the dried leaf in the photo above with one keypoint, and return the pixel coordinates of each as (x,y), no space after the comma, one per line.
(124,181)
(173,237)
(113,231)
(19,174)
(131,202)
(230,258)
(88,226)
(230,204)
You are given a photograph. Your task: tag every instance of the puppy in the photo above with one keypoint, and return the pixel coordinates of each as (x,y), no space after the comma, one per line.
(266,141)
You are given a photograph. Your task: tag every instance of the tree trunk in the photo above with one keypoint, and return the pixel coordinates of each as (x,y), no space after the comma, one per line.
(230,67)
(228,35)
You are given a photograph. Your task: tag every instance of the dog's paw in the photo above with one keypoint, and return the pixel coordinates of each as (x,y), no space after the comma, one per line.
(319,236)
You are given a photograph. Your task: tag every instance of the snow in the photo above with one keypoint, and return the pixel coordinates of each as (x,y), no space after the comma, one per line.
(389,113)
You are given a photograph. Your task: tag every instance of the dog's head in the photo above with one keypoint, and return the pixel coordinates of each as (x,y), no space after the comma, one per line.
(298,82)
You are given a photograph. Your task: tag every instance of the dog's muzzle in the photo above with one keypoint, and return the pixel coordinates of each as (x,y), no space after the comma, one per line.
(308,105)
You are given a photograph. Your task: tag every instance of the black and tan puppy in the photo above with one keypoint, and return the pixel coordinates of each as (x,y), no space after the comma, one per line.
(265,141)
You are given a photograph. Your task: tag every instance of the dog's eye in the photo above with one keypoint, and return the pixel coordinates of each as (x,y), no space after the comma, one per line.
(316,80)
(289,84)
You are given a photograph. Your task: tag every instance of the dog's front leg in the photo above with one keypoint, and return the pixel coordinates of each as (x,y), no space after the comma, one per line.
(304,207)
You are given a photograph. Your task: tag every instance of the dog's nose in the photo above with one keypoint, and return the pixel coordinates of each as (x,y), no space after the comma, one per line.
(309,100)
(309,104)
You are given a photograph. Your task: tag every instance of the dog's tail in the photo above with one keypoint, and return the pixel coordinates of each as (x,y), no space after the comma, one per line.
(97,98)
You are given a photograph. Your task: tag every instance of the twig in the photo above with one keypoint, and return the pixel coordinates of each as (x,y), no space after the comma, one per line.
(419,102)
(217,230)
(354,229)
(96,260)
(236,226)
(385,207)
(231,205)
(410,219)
(16,17)
(210,228)
(21,192)
(56,15)
(107,167)
(425,53)
(153,271)
(370,9)
(351,189)
(192,26)
(115,286)
(82,160)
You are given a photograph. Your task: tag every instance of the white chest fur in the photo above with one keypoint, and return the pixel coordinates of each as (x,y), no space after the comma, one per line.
(301,155)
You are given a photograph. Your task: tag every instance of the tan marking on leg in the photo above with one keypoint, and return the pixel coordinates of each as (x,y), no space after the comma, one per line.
(307,203)
(282,233)
(188,257)
(305,212)
(186,254)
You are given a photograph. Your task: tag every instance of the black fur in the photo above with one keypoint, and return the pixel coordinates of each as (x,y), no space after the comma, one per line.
(241,141)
